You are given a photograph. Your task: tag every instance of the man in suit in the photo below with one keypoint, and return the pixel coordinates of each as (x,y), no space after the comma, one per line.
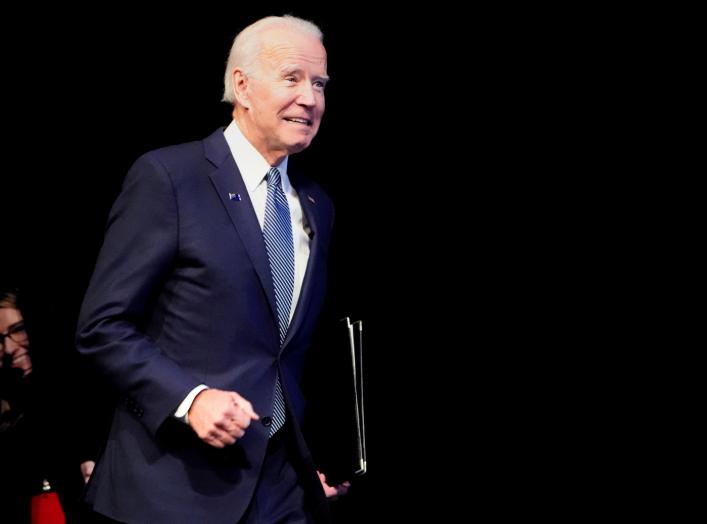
(192,318)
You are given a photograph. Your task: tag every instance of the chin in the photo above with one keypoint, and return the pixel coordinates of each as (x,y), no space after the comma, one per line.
(299,140)
(299,146)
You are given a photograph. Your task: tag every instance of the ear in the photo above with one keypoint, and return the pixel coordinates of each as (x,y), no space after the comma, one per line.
(240,87)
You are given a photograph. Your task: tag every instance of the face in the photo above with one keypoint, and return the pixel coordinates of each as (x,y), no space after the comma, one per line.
(14,341)
(283,98)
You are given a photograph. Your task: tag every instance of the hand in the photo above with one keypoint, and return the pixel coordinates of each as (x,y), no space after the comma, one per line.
(20,359)
(333,492)
(87,470)
(220,417)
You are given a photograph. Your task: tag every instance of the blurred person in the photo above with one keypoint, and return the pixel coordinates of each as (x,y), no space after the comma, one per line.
(33,472)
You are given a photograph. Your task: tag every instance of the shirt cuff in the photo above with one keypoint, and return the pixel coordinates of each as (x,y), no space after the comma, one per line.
(182,412)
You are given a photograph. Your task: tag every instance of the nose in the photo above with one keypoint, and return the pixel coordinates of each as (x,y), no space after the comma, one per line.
(306,96)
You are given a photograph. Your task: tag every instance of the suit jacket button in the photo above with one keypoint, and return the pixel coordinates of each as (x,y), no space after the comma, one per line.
(267,421)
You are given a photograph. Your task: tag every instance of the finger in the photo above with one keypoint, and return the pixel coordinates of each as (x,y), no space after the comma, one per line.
(330,492)
(242,419)
(219,439)
(229,427)
(227,439)
(234,424)
(20,357)
(245,406)
(23,362)
(237,432)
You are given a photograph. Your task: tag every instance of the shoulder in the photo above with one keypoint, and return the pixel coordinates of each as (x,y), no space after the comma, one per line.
(174,158)
(183,160)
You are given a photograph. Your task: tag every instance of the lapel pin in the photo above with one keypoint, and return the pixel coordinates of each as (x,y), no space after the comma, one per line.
(234,196)
(311,199)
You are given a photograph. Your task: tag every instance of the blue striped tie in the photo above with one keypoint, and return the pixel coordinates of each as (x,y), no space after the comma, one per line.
(277,231)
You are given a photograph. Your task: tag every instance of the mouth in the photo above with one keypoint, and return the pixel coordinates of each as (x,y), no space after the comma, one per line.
(296,120)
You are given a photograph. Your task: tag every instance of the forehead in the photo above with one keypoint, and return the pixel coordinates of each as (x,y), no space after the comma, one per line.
(287,48)
(8,317)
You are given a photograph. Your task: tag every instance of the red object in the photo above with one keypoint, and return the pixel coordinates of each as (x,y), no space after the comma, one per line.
(46,509)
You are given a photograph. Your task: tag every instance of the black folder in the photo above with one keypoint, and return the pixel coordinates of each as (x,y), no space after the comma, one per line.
(354,336)
(336,427)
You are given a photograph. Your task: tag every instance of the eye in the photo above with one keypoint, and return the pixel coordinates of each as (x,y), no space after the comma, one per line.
(291,78)
(320,85)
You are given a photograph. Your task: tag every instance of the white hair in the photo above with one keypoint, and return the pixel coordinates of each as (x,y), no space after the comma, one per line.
(248,44)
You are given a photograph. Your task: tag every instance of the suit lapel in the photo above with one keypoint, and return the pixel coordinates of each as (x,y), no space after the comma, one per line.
(311,214)
(233,194)
(227,181)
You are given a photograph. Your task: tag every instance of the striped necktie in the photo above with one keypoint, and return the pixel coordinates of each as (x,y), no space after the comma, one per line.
(277,231)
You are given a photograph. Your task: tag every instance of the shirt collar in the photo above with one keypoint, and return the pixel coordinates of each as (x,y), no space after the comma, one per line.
(250,162)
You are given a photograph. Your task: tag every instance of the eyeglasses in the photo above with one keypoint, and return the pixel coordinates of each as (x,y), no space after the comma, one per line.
(16,333)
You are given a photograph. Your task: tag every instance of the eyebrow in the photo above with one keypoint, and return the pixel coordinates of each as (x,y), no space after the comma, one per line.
(14,325)
(291,69)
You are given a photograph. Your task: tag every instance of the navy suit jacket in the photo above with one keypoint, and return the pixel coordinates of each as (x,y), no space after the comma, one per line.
(182,295)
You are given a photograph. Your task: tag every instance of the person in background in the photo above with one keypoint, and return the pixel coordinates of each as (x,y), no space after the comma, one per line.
(18,476)
(14,342)
(34,459)
(204,299)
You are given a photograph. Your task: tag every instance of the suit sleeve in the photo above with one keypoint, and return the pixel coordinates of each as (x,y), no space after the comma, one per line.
(140,248)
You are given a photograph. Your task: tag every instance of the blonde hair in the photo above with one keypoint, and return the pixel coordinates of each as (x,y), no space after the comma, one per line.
(8,299)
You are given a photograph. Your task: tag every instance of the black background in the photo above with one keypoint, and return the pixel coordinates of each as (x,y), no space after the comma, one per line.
(466,156)
(97,94)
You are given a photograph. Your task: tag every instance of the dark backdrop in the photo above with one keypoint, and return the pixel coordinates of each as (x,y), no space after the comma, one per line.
(446,146)
(468,159)
(97,94)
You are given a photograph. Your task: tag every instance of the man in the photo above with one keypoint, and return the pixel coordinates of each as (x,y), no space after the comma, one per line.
(204,299)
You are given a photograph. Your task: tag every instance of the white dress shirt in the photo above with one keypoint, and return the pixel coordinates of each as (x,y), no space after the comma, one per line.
(254,168)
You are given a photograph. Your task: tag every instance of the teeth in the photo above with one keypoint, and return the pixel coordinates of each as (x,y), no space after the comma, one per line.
(299,120)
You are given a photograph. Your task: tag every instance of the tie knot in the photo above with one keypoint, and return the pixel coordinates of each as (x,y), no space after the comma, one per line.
(273,176)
